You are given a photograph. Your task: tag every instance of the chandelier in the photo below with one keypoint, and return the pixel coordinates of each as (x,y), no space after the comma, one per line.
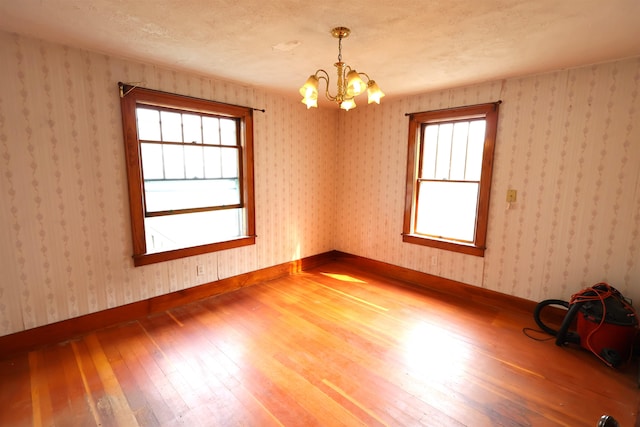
(349,85)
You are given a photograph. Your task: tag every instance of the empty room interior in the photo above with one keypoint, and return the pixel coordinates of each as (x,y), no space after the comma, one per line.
(185,242)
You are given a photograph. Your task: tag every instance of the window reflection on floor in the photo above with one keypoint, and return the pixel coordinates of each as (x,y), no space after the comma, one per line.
(432,353)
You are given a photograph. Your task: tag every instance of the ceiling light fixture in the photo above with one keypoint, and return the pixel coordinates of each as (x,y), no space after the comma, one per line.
(350,83)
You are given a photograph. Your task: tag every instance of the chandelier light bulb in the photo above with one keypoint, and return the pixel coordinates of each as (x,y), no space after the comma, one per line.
(355,84)
(310,101)
(348,104)
(310,87)
(373,92)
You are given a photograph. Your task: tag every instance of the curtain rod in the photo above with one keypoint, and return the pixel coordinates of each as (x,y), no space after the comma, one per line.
(126,88)
(453,108)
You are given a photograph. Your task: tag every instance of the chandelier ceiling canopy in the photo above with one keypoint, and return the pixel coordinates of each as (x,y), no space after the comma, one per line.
(349,82)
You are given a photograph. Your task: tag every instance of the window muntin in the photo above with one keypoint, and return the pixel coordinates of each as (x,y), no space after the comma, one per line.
(449,178)
(190,173)
(190,162)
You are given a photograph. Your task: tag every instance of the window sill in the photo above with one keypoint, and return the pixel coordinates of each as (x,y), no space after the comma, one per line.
(152,258)
(448,245)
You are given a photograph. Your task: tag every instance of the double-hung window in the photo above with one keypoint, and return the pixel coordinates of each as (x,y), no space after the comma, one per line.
(190,173)
(449,177)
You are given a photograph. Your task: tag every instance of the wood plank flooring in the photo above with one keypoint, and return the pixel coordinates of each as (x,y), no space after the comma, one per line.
(332,346)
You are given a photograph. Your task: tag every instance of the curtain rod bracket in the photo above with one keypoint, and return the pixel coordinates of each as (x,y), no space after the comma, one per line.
(129,87)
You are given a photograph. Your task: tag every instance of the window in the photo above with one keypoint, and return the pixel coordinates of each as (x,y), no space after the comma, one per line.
(190,174)
(449,177)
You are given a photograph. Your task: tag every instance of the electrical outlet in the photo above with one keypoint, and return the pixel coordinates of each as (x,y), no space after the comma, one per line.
(200,270)
(511,196)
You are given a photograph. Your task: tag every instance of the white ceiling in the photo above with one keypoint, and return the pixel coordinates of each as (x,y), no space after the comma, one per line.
(407,46)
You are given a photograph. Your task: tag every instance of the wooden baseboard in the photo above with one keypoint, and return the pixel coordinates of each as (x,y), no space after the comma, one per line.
(78,326)
(439,284)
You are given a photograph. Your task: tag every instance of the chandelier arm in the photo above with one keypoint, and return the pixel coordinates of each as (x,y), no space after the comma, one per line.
(323,75)
(328,95)
(366,75)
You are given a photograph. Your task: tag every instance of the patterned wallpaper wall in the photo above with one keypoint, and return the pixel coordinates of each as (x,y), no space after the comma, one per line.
(66,246)
(568,142)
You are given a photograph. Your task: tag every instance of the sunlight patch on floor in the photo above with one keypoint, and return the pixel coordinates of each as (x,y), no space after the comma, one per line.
(432,353)
(343,277)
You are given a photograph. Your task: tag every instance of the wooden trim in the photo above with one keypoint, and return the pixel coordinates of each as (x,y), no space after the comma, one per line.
(439,284)
(487,111)
(247,178)
(73,328)
(482,221)
(78,326)
(146,259)
(412,170)
(134,174)
(446,111)
(443,244)
(244,116)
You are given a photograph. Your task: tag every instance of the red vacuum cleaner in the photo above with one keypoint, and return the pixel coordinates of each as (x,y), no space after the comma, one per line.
(606,323)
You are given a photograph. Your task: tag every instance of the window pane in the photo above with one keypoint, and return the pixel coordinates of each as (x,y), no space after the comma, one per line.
(190,194)
(443,156)
(185,230)
(475,150)
(211,130)
(429,150)
(228,132)
(459,150)
(447,210)
(173,161)
(152,166)
(192,128)
(148,124)
(171,126)
(229,157)
(212,164)
(193,161)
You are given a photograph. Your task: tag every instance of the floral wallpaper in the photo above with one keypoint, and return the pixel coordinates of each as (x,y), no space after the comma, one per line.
(568,142)
(66,245)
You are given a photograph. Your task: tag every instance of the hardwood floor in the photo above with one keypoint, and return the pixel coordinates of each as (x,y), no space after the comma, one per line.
(332,346)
